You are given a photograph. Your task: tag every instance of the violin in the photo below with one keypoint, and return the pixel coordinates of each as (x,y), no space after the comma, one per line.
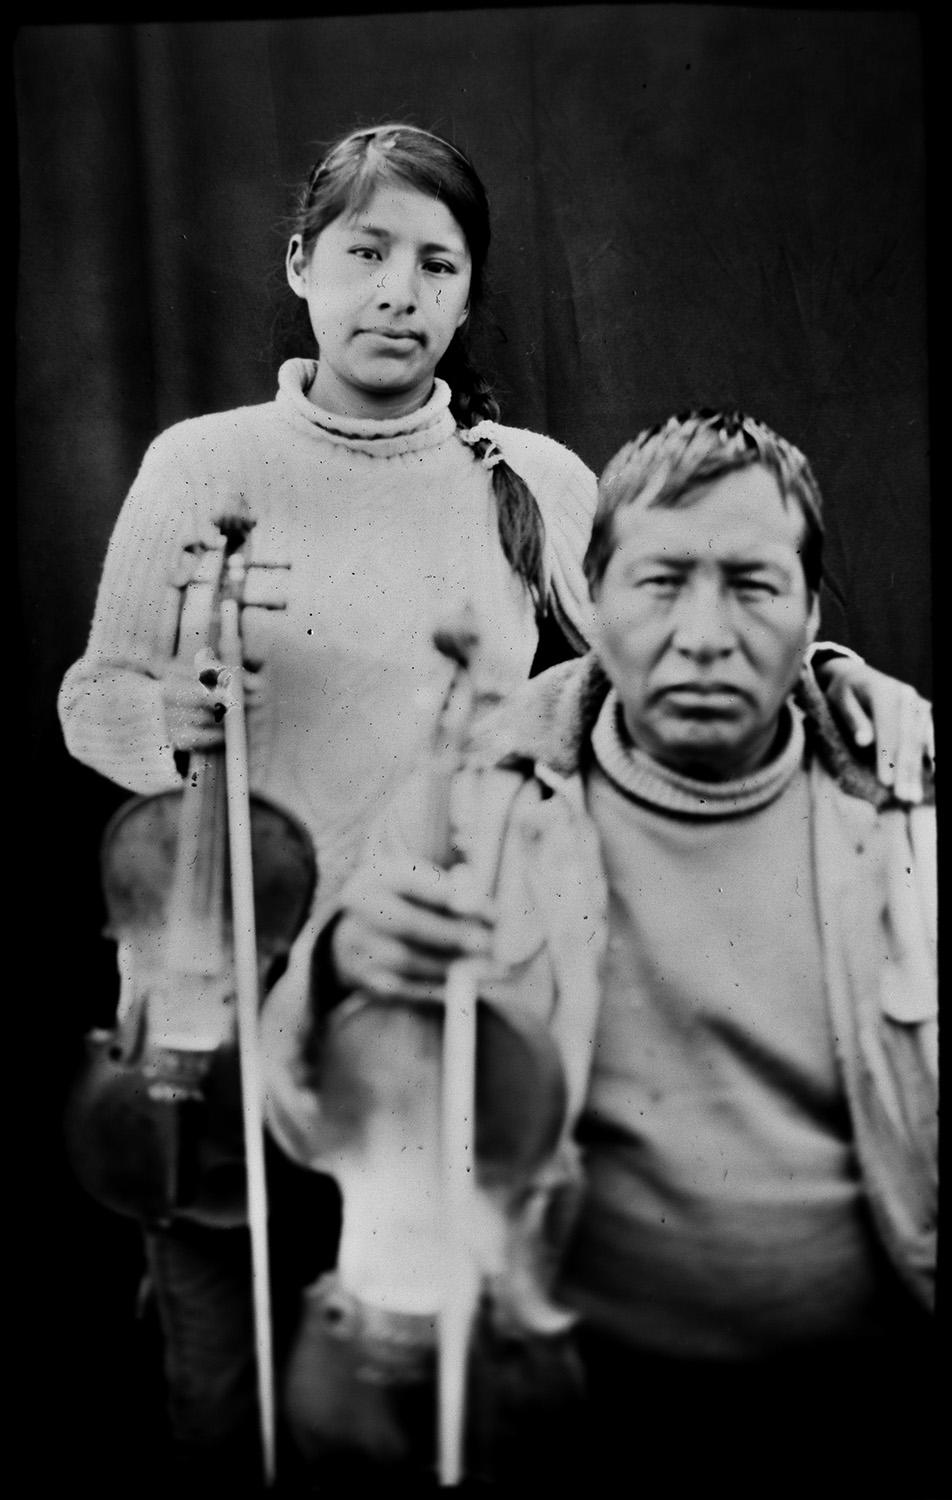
(155,1124)
(434,1119)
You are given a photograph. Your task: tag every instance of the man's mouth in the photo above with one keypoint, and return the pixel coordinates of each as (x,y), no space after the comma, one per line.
(703,696)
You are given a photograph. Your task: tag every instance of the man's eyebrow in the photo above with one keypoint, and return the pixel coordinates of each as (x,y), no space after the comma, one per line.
(758,563)
(671,558)
(664,555)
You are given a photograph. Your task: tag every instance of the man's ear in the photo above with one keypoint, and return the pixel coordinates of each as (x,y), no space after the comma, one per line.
(295,265)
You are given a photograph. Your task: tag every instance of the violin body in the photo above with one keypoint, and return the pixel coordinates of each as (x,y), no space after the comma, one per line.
(154,1130)
(520,1089)
(360,1384)
(434,1345)
(206,889)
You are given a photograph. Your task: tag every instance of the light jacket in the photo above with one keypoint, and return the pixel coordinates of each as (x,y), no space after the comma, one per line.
(522,824)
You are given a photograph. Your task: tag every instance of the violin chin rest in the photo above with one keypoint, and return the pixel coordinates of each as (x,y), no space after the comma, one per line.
(381,1060)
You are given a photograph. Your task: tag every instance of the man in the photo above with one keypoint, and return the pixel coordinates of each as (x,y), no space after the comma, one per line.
(726,926)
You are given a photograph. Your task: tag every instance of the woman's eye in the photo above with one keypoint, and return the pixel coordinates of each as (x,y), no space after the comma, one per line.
(365,252)
(441,267)
(661,583)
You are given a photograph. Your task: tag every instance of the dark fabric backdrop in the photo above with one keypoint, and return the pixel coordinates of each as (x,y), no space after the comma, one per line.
(692,205)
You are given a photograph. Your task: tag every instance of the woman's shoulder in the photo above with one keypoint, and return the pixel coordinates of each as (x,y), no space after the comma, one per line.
(566,492)
(520,446)
(215,430)
(220,449)
(565,489)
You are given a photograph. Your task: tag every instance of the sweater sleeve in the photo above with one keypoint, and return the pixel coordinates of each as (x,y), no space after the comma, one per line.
(295,1010)
(110,702)
(565,490)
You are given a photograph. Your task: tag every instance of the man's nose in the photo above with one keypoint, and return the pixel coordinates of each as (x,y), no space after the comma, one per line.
(703,628)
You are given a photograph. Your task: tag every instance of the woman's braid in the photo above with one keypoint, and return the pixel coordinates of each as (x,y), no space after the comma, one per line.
(521,527)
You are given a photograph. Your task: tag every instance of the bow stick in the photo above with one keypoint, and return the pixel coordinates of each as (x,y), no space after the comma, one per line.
(461,1284)
(461,1288)
(247,992)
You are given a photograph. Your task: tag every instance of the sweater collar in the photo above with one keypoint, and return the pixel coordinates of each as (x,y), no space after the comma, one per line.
(427,427)
(641,776)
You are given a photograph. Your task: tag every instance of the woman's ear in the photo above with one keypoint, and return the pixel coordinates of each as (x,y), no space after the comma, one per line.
(813,620)
(463,316)
(295,264)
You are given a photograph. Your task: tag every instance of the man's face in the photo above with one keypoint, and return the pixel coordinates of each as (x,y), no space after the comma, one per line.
(703,616)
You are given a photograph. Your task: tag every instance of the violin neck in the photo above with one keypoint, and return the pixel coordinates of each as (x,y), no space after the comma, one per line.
(445,760)
(199,882)
(437,823)
(197,901)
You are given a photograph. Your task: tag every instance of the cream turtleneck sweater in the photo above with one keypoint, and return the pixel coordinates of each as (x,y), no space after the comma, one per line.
(725,1216)
(381,529)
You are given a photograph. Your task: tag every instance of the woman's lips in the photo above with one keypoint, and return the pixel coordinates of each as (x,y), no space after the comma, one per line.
(393,336)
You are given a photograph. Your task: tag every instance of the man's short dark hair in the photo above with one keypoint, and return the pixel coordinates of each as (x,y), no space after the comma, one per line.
(666,462)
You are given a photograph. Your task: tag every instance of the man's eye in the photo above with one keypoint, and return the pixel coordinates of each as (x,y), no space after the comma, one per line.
(755,588)
(661,583)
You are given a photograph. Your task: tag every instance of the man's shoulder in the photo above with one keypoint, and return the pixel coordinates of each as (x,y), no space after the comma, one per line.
(547,720)
(866,815)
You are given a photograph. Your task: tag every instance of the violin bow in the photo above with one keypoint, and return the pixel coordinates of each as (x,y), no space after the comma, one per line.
(246,991)
(462,1277)
(461,1289)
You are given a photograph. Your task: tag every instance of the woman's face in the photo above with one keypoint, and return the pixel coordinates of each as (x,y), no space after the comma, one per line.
(386,289)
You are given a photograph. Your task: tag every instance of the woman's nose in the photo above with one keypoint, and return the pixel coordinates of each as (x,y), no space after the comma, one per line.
(397,288)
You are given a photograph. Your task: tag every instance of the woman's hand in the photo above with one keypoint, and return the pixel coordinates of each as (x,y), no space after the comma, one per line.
(403,925)
(195,702)
(875,708)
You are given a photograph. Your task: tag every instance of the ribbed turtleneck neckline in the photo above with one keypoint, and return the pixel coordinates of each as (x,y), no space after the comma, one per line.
(640,775)
(428,426)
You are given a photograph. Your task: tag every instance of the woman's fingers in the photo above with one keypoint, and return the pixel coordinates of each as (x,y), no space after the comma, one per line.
(856,720)
(196,698)
(190,710)
(876,708)
(915,747)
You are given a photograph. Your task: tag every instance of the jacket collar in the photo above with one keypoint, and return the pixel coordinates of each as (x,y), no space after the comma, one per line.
(549,722)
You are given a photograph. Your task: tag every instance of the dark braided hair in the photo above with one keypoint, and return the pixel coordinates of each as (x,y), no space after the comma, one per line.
(342,182)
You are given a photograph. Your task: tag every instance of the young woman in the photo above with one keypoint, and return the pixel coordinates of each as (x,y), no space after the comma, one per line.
(384,489)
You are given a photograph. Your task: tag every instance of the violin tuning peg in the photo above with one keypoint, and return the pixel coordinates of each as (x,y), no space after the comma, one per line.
(235,525)
(458,636)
